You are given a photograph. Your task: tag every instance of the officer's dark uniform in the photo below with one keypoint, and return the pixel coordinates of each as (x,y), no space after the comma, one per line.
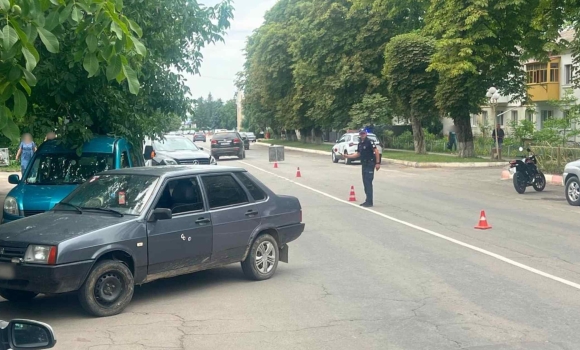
(366,150)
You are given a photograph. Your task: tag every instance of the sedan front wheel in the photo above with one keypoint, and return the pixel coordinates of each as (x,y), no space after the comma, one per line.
(262,259)
(108,289)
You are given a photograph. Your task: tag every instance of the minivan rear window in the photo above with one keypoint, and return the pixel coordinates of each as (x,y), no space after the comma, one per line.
(225,136)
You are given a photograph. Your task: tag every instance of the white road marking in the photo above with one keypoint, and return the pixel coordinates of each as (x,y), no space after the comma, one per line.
(432,233)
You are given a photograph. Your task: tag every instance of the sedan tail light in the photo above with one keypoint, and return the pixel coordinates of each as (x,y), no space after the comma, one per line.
(237,141)
(214,142)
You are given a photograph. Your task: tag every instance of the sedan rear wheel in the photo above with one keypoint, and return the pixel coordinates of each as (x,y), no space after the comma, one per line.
(262,259)
(108,289)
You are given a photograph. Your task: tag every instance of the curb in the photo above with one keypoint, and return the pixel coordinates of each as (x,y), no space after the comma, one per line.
(555,180)
(405,162)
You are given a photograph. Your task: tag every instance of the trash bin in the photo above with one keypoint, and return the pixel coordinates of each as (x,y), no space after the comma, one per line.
(276,153)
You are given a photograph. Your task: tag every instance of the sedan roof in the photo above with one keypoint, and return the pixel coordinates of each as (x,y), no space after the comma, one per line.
(174,170)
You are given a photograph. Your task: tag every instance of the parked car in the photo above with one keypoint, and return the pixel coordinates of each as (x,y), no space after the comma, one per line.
(227,144)
(348,143)
(132,226)
(571,179)
(175,150)
(25,334)
(56,170)
(246,140)
(199,136)
(251,136)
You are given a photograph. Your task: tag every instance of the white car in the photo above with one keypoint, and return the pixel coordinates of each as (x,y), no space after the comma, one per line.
(348,144)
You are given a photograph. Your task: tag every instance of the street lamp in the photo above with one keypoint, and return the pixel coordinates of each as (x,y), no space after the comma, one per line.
(493,95)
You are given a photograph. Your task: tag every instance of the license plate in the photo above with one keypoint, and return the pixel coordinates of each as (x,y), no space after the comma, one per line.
(6,272)
(225,143)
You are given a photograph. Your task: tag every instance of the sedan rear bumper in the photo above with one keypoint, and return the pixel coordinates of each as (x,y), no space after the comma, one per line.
(44,279)
(289,233)
(232,151)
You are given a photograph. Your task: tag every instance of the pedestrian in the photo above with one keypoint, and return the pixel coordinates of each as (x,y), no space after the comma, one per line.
(26,149)
(452,142)
(500,136)
(50,136)
(370,159)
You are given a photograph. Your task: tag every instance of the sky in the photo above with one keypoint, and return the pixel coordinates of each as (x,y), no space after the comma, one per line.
(222,61)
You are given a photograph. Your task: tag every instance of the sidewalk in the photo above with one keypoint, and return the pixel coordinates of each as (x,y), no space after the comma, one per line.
(405,162)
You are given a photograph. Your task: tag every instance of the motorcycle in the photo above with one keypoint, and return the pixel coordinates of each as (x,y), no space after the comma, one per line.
(527,173)
(25,334)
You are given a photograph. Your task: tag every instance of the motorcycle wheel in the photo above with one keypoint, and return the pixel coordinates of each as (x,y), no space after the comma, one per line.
(519,182)
(540,182)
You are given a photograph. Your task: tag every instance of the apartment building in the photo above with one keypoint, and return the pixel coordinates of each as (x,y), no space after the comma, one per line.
(240,112)
(546,82)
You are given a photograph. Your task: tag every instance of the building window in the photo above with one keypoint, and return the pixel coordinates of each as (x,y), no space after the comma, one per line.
(554,72)
(546,115)
(530,116)
(499,117)
(515,117)
(473,120)
(537,73)
(484,117)
(569,70)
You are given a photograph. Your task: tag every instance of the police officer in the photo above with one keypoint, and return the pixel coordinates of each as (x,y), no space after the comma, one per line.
(370,160)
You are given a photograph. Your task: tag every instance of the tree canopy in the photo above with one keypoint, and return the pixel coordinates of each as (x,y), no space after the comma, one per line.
(82,67)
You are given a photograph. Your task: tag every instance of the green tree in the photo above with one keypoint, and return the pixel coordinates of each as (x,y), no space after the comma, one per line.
(373,109)
(173,36)
(102,35)
(481,44)
(411,86)
(229,115)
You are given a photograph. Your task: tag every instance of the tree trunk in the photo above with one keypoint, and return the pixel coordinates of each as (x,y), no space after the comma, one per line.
(465,147)
(418,136)
(317,135)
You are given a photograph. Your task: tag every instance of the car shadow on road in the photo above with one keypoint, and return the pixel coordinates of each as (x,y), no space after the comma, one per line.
(50,308)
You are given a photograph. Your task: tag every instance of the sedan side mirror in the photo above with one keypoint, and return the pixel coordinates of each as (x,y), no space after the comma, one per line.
(161,214)
(25,334)
(14,179)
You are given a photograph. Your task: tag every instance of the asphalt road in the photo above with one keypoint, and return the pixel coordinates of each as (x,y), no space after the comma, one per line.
(411,273)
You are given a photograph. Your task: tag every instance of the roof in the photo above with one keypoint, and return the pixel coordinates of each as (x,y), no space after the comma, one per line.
(174,170)
(98,144)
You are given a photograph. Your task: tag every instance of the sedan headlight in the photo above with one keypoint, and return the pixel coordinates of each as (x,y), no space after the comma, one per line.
(40,254)
(11,206)
(169,161)
(212,160)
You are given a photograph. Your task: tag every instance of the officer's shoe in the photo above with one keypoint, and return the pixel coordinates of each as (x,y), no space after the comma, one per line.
(366,205)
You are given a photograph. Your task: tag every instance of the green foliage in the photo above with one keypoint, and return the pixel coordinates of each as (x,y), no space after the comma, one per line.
(32,29)
(214,114)
(373,109)
(524,129)
(66,99)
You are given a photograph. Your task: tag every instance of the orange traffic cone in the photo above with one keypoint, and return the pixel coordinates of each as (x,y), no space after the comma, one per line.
(275,165)
(352,197)
(483,225)
(298,173)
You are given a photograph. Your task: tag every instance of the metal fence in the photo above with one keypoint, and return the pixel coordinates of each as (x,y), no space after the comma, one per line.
(551,159)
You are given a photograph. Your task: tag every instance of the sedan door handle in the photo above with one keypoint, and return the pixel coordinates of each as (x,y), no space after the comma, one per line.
(202,221)
(251,213)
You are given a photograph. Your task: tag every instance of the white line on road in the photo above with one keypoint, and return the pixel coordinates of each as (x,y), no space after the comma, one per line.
(433,233)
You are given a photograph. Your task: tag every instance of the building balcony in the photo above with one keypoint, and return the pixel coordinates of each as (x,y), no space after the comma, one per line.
(544,91)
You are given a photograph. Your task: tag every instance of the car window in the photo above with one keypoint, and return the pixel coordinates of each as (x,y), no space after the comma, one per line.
(181,196)
(67,168)
(225,136)
(127,194)
(371,137)
(124,160)
(342,138)
(223,190)
(252,187)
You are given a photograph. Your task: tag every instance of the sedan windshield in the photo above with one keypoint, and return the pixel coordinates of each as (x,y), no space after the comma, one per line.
(67,168)
(175,144)
(124,194)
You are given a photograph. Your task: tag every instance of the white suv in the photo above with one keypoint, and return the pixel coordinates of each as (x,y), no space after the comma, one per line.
(348,144)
